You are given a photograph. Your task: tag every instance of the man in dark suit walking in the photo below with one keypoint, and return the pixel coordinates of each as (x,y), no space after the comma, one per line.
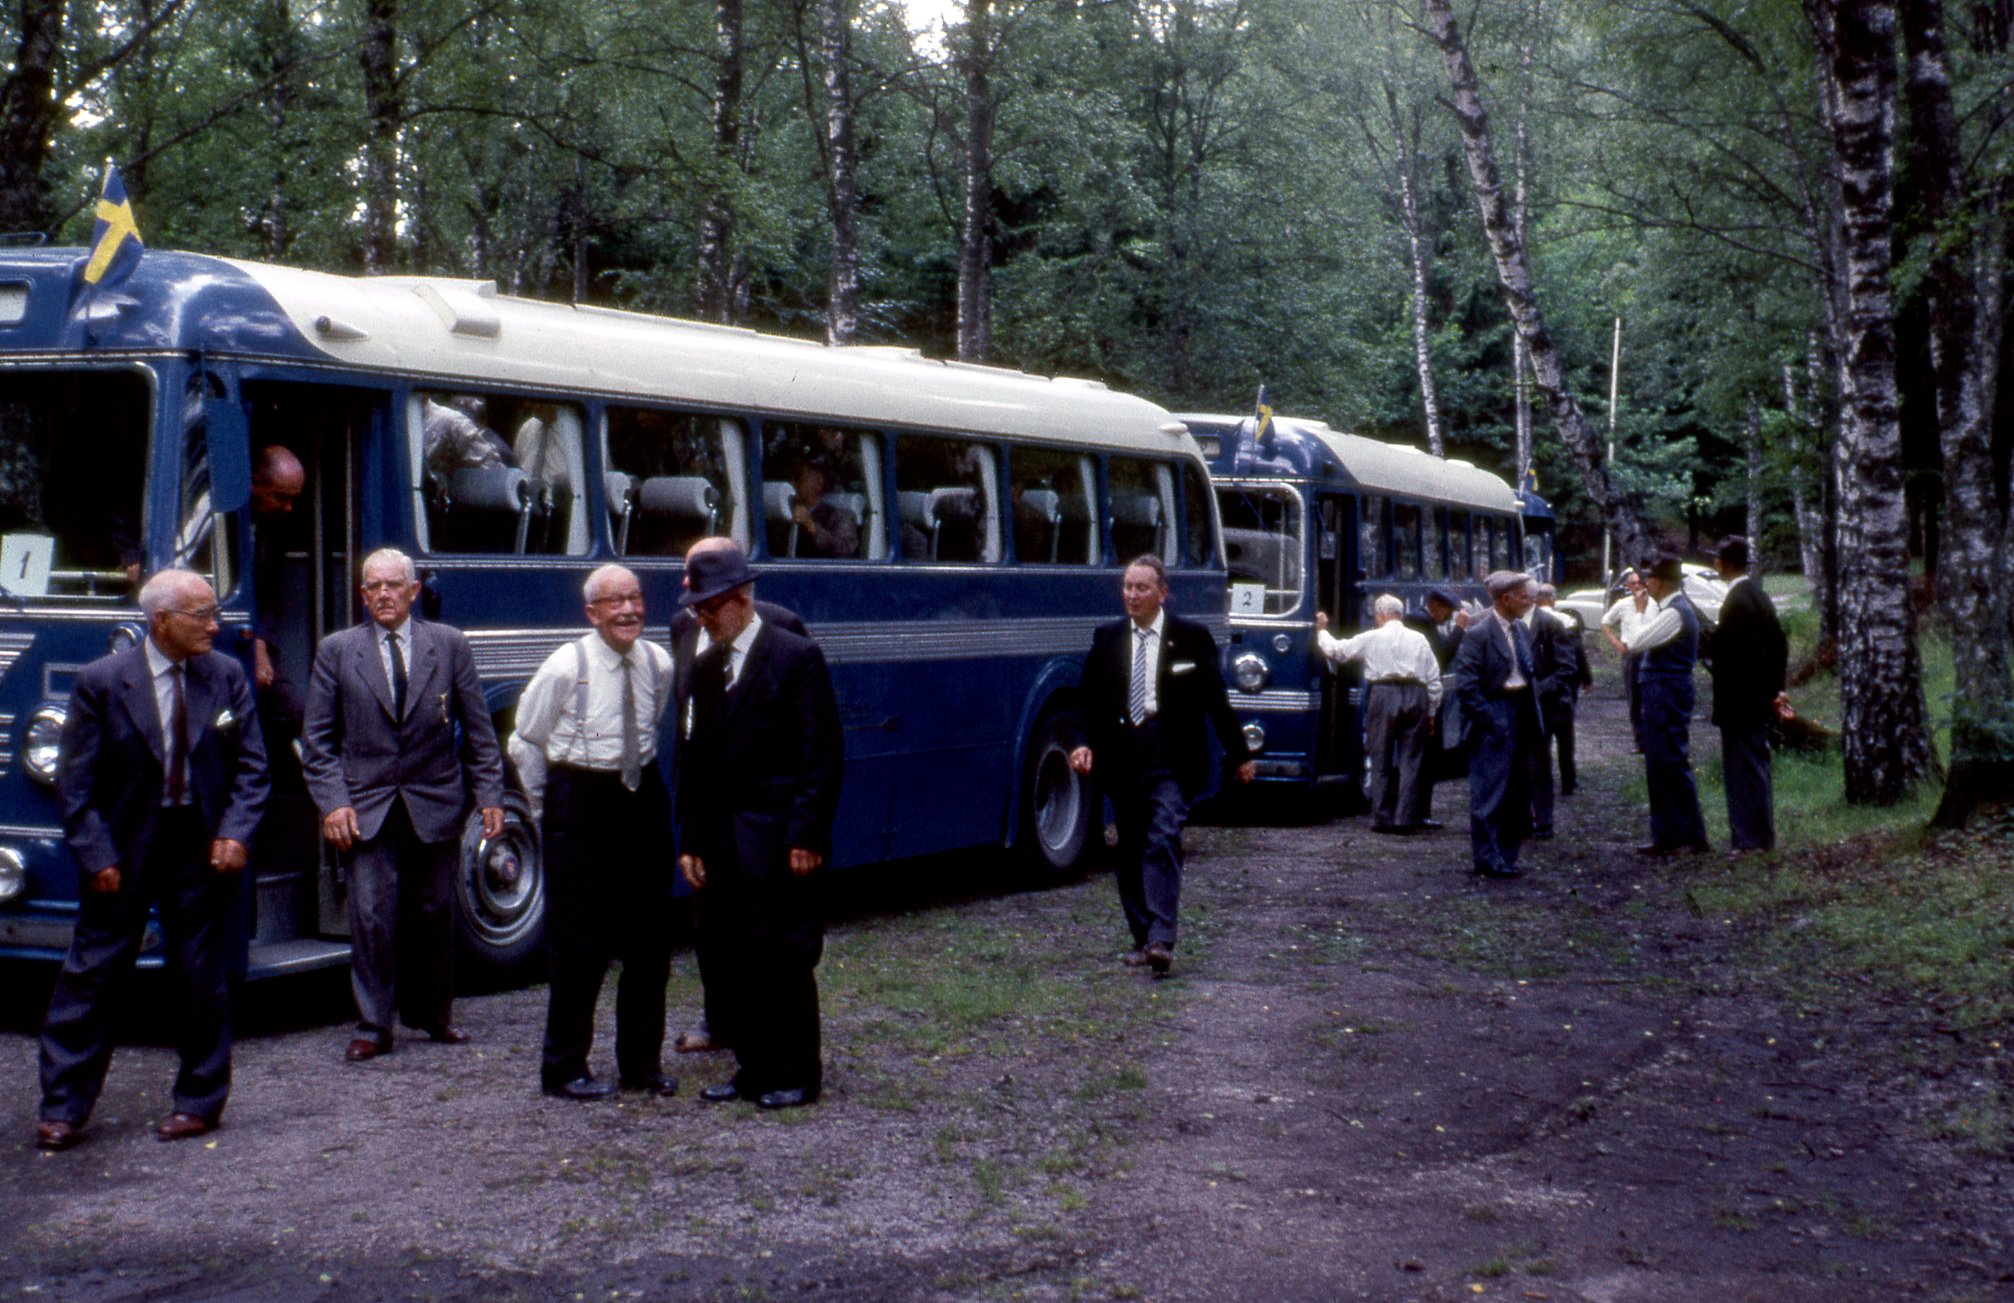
(1749,658)
(1497,681)
(1151,693)
(712,1031)
(394,784)
(162,781)
(759,766)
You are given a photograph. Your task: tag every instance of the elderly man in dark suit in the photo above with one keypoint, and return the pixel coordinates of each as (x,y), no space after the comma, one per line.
(1749,658)
(712,1032)
(1497,681)
(162,781)
(396,743)
(759,767)
(1151,694)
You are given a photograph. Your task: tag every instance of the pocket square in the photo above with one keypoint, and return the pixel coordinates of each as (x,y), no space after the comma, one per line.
(1181,667)
(225,719)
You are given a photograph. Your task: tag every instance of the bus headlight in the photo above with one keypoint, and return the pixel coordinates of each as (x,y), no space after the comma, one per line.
(13,875)
(43,742)
(1249,673)
(1255,737)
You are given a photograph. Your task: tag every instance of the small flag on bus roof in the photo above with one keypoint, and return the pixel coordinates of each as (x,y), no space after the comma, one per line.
(1531,480)
(1262,419)
(115,244)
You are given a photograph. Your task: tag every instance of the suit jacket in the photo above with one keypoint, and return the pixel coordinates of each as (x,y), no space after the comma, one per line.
(1480,669)
(1556,654)
(1444,644)
(1190,693)
(769,781)
(1748,657)
(355,753)
(114,768)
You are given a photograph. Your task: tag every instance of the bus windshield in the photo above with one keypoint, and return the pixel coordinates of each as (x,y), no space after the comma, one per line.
(73,472)
(1262,547)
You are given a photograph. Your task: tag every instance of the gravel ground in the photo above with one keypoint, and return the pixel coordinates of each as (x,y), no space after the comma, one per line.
(1372,1077)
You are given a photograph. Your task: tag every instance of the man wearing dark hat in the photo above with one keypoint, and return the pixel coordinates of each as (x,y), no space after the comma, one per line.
(1496,679)
(1669,643)
(1442,626)
(760,758)
(1748,656)
(585,750)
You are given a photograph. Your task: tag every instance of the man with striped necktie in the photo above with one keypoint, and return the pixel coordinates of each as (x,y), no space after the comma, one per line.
(1151,693)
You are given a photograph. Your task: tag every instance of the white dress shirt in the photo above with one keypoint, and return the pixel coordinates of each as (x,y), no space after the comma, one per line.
(159,665)
(737,651)
(1661,624)
(1154,633)
(1623,617)
(1391,653)
(550,729)
(1515,679)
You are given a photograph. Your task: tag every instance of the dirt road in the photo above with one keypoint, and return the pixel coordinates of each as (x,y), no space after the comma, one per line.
(1372,1077)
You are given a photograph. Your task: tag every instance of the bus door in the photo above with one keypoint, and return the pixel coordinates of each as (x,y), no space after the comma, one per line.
(1336,573)
(300,582)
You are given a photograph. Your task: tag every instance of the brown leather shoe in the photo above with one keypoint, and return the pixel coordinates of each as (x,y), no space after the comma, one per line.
(183,1126)
(447,1034)
(1160,957)
(1136,958)
(365,1048)
(53,1134)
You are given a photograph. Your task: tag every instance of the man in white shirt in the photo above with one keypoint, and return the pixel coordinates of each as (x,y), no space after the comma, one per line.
(1622,619)
(1402,691)
(586,751)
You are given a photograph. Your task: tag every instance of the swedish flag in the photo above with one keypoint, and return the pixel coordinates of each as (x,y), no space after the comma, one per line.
(1531,480)
(1262,419)
(115,244)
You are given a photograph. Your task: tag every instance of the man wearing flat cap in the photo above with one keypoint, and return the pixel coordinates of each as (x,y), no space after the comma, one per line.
(1668,642)
(1497,681)
(760,758)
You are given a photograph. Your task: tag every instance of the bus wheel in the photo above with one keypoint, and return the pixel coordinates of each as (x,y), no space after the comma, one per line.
(500,895)
(1056,804)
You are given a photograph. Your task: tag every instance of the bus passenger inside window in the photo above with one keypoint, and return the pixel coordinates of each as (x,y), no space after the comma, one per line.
(820,489)
(484,493)
(673,478)
(945,491)
(1053,521)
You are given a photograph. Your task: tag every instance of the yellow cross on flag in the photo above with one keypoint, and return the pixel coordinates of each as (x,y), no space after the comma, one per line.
(115,243)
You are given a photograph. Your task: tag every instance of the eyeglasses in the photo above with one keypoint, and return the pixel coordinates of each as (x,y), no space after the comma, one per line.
(619,599)
(385,585)
(204,615)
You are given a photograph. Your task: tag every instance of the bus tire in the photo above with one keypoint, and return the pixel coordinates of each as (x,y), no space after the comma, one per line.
(1058,814)
(500,896)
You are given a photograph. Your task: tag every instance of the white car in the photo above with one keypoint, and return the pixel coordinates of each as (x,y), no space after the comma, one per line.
(1583,608)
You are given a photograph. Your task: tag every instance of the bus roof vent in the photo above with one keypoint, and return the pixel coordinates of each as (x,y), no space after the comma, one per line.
(465,308)
(334,328)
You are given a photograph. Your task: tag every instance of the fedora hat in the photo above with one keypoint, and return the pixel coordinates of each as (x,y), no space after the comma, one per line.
(709,574)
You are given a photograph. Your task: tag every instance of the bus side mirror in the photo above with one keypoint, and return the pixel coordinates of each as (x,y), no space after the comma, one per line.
(230,454)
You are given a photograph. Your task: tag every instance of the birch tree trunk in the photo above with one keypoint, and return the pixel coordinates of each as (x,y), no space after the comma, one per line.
(975,230)
(1753,522)
(1580,439)
(1405,172)
(379,54)
(1887,740)
(713,278)
(1520,192)
(842,301)
(1963,274)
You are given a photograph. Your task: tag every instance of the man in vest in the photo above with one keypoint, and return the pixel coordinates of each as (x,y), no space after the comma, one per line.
(1668,642)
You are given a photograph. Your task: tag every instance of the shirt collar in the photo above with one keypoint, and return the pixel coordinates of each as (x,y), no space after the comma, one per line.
(1157,628)
(746,638)
(1738,579)
(404,629)
(158,661)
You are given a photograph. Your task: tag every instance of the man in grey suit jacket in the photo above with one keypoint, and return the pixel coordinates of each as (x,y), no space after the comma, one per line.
(394,783)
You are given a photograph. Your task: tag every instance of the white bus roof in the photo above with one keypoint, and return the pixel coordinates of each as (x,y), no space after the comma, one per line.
(465,330)
(1400,468)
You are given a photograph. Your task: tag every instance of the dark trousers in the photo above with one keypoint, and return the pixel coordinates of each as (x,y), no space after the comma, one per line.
(1675,819)
(608,865)
(1560,725)
(709,939)
(1395,732)
(1751,799)
(402,941)
(1538,782)
(766,936)
(1500,765)
(1631,693)
(199,923)
(1151,810)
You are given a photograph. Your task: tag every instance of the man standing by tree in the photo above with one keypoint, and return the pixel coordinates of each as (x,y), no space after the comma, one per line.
(1748,656)
(1669,644)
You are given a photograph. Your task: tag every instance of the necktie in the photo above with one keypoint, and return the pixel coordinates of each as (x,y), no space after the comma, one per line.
(398,677)
(178,739)
(1521,643)
(709,692)
(632,745)
(1136,700)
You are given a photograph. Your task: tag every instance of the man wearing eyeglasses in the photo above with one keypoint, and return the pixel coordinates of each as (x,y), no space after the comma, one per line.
(396,746)
(586,751)
(161,782)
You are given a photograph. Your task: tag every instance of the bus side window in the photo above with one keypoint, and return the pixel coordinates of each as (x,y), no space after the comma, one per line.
(1406,539)
(1052,496)
(1500,544)
(202,536)
(499,473)
(73,467)
(821,492)
(1372,554)
(1143,509)
(1198,548)
(673,478)
(1432,536)
(945,490)
(1458,545)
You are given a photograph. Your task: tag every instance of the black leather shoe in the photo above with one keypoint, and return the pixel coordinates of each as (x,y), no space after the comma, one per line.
(725,1092)
(657,1083)
(447,1034)
(1542,835)
(582,1089)
(1432,823)
(1498,871)
(1135,958)
(776,1099)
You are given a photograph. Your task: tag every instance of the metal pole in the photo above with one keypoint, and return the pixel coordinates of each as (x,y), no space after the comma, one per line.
(1614,380)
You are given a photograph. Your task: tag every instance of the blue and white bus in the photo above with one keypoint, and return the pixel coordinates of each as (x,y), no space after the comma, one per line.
(1318,520)
(950,533)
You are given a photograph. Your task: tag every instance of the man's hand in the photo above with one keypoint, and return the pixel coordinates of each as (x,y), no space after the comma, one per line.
(694,871)
(262,664)
(493,820)
(1783,708)
(803,861)
(1248,771)
(1321,619)
(104,882)
(339,826)
(1080,760)
(226,855)
(1461,618)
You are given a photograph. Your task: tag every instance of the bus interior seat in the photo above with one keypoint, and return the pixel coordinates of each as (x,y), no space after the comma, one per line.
(672,509)
(1041,511)
(779,501)
(621,491)
(928,510)
(1137,513)
(855,505)
(478,496)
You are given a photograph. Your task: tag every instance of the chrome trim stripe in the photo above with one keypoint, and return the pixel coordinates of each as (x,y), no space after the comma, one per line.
(24,830)
(12,644)
(1275,700)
